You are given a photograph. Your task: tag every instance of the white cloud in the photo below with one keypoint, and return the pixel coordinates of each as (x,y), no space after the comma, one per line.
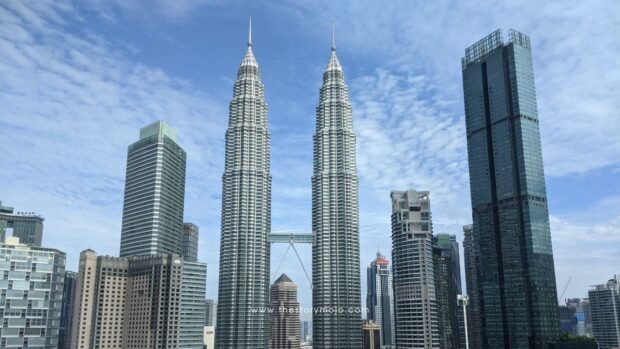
(575,59)
(586,246)
(71,106)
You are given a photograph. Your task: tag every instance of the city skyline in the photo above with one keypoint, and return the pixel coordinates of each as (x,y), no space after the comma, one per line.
(100,192)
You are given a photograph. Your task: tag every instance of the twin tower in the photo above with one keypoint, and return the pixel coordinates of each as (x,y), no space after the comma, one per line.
(243,297)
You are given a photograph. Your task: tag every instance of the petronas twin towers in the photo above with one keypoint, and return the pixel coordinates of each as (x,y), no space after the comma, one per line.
(243,319)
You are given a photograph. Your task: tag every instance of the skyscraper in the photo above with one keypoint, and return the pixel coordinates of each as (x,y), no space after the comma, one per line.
(100,301)
(380,300)
(192,315)
(472,276)
(66,314)
(152,301)
(190,242)
(508,195)
(154,193)
(246,216)
(30,295)
(447,270)
(415,298)
(335,218)
(26,226)
(605,312)
(285,329)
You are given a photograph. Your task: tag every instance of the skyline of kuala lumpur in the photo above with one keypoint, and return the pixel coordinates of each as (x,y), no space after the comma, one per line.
(442,149)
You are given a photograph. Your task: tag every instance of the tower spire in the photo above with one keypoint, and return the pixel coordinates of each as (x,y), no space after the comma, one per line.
(250,33)
(333,36)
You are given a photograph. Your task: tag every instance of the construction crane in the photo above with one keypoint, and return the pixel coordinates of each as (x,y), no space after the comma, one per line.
(565,287)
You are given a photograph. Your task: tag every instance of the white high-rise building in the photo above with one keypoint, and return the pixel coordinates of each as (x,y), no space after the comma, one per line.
(415,297)
(246,216)
(335,218)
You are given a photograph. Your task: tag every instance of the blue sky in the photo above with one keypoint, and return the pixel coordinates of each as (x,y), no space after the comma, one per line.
(80,78)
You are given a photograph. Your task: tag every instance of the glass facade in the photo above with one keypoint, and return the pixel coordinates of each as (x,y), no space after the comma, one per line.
(31,291)
(192,317)
(26,226)
(472,275)
(64,337)
(154,194)
(511,231)
(190,242)
(447,285)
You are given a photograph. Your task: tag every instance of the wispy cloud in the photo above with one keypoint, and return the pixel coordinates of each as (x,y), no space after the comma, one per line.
(586,245)
(71,105)
(575,59)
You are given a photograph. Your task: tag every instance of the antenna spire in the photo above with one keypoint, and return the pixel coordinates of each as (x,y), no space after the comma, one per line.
(250,33)
(333,36)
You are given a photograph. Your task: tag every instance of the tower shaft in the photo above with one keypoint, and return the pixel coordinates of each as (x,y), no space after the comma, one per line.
(335,218)
(242,319)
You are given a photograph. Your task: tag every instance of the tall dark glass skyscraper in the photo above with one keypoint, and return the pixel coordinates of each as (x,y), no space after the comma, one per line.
(511,232)
(246,217)
(154,193)
(335,219)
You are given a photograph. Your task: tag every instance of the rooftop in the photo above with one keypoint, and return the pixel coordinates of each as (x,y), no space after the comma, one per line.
(489,43)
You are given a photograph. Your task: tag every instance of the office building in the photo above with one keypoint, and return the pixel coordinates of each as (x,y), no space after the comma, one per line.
(30,295)
(26,226)
(192,316)
(66,315)
(189,249)
(605,311)
(154,194)
(447,287)
(370,335)
(285,316)
(151,302)
(246,216)
(415,298)
(335,218)
(448,242)
(380,300)
(210,312)
(512,237)
(100,299)
(472,276)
